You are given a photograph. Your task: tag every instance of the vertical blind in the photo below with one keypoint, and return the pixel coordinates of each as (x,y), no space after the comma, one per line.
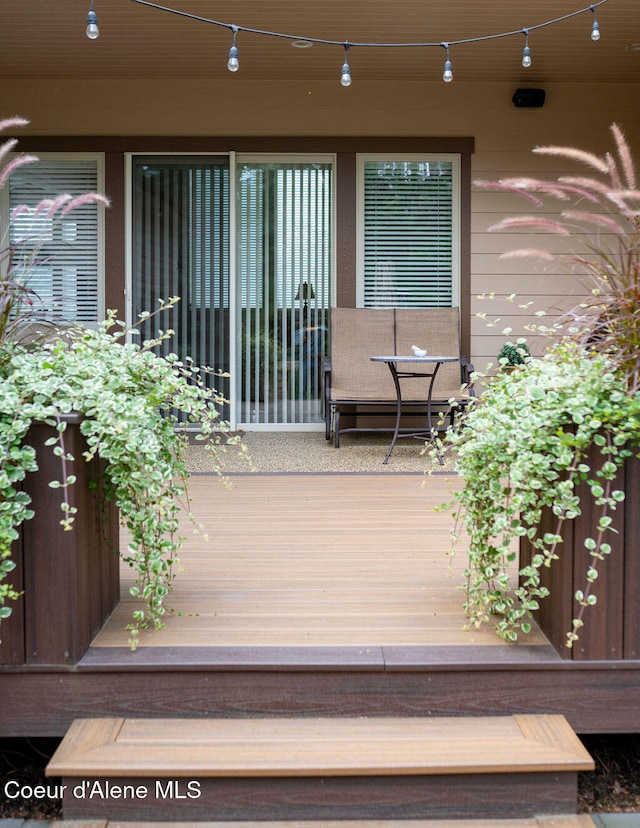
(284,230)
(181,248)
(408,227)
(60,253)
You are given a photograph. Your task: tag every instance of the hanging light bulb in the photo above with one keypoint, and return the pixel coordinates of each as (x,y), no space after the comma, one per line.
(345,77)
(92,24)
(447,75)
(526,52)
(595,29)
(232,64)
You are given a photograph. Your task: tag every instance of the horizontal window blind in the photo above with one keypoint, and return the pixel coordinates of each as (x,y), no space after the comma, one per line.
(408,233)
(59,255)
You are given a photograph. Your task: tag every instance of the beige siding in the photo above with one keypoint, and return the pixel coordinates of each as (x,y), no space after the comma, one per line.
(573,115)
(576,114)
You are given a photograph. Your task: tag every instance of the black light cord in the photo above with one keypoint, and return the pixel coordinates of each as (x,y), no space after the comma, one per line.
(349,44)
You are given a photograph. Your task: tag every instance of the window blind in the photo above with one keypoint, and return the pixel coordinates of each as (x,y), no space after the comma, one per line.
(408,233)
(59,256)
(284,274)
(181,226)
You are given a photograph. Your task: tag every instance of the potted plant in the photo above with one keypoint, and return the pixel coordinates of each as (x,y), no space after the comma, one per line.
(544,452)
(514,353)
(90,399)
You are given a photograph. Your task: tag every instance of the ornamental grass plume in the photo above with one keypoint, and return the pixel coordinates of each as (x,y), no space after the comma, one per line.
(601,210)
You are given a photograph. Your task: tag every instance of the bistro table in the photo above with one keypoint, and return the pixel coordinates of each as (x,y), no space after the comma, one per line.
(397,374)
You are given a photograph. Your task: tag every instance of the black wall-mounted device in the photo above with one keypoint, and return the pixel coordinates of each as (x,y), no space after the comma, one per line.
(529,97)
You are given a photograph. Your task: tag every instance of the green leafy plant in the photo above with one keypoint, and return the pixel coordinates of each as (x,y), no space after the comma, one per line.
(525,440)
(127,397)
(523,448)
(512,354)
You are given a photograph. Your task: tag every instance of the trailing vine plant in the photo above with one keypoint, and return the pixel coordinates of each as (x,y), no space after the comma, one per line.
(127,397)
(524,444)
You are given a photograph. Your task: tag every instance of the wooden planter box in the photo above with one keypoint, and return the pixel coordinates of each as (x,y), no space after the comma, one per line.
(70,579)
(612,627)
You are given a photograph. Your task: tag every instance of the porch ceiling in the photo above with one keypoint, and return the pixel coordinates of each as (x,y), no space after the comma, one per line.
(45,39)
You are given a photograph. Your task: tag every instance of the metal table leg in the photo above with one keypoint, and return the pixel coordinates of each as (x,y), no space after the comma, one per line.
(396,375)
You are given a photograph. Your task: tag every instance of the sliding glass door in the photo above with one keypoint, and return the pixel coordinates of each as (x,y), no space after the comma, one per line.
(261,325)
(181,248)
(283,265)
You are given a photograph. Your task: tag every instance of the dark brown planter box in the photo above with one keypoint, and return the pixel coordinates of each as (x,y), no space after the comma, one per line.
(70,580)
(612,627)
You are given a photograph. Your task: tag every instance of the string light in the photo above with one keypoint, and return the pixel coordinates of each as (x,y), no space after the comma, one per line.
(345,77)
(447,75)
(595,28)
(92,24)
(526,52)
(232,64)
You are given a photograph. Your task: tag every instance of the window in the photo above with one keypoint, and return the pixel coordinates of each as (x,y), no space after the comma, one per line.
(67,250)
(408,252)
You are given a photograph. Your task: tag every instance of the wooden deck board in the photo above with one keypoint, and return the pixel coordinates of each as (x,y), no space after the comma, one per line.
(569,821)
(315,560)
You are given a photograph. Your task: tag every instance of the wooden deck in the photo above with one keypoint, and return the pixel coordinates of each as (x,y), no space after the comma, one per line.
(318,595)
(315,560)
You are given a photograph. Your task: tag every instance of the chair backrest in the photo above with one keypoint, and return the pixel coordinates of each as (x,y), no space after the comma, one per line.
(357,334)
(437,330)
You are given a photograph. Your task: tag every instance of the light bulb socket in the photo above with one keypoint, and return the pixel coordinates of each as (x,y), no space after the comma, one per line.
(92,25)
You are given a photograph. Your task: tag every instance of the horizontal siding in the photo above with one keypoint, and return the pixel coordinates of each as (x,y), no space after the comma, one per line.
(571,117)
(574,114)
(237,107)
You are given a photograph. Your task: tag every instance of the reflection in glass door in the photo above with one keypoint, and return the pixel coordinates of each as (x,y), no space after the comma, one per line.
(283,283)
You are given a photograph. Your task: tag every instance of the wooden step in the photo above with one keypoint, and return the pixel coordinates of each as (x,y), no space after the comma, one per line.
(323,769)
(570,821)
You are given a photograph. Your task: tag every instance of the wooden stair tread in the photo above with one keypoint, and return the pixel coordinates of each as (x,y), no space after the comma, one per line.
(318,747)
(570,821)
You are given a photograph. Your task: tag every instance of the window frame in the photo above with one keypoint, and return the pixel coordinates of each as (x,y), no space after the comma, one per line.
(455,160)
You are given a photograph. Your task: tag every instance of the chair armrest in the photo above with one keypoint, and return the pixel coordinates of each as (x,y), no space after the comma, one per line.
(466,370)
(326,373)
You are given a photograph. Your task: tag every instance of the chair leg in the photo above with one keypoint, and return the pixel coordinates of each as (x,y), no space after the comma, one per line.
(328,418)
